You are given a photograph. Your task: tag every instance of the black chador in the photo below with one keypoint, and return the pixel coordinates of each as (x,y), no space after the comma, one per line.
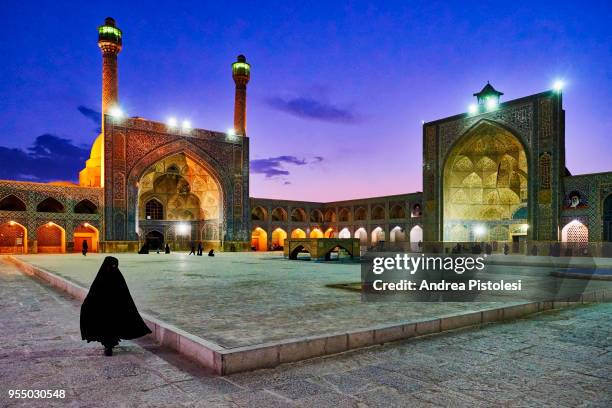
(108,313)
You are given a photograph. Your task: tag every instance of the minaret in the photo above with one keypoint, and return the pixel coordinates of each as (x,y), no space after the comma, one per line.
(241,72)
(109,41)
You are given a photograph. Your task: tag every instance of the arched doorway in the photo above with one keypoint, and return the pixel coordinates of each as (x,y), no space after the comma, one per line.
(416,237)
(362,235)
(86,233)
(329,233)
(397,234)
(155,240)
(485,180)
(278,239)
(13,238)
(298,233)
(51,238)
(378,234)
(259,239)
(316,233)
(607,219)
(344,233)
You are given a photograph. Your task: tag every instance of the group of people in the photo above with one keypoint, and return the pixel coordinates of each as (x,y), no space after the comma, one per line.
(200,250)
(144,249)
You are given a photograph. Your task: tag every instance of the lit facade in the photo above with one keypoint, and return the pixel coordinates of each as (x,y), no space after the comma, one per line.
(494,174)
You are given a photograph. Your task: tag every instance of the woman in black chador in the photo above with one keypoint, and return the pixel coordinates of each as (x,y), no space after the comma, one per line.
(108,313)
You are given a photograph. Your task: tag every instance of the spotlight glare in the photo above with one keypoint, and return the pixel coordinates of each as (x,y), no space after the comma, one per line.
(491,103)
(479,230)
(182,229)
(231,132)
(186,125)
(473,108)
(172,122)
(558,85)
(116,112)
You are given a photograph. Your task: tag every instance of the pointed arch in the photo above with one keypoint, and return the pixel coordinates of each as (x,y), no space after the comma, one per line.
(278,239)
(378,212)
(316,216)
(344,233)
(12,203)
(298,215)
(259,214)
(13,238)
(298,233)
(279,214)
(259,239)
(345,215)
(50,205)
(51,238)
(85,207)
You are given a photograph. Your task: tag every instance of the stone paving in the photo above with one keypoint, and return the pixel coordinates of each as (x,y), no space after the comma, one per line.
(560,359)
(242,299)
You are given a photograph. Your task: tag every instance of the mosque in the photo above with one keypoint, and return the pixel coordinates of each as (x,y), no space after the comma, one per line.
(496,174)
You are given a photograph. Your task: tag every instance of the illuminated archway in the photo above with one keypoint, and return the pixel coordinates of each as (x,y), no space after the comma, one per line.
(316,233)
(416,237)
(298,233)
(362,235)
(576,232)
(50,238)
(13,238)
(278,239)
(86,233)
(330,233)
(344,233)
(378,234)
(397,234)
(259,239)
(485,179)
(177,188)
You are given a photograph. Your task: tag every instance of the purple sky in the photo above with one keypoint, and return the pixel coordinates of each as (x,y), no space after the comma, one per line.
(338,90)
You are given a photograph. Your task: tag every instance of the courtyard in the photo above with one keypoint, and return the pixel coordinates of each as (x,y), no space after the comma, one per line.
(557,358)
(247,299)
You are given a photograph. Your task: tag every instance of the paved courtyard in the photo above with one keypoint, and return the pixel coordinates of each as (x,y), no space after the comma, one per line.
(561,359)
(241,299)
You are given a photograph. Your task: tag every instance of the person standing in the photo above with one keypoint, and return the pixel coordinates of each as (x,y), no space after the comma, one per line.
(200,249)
(167,248)
(108,313)
(193,248)
(84,248)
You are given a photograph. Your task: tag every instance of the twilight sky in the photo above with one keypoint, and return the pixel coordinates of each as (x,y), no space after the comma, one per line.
(338,90)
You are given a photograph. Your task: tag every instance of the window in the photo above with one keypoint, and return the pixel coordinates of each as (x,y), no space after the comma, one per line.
(154,210)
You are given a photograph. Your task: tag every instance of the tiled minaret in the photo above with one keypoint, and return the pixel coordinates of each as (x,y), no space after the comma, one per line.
(241,72)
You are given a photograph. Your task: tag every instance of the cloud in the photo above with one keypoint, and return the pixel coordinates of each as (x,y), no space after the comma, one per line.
(49,158)
(93,115)
(309,108)
(275,167)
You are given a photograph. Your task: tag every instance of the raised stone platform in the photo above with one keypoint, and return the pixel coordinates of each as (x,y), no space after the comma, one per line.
(320,248)
(251,311)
